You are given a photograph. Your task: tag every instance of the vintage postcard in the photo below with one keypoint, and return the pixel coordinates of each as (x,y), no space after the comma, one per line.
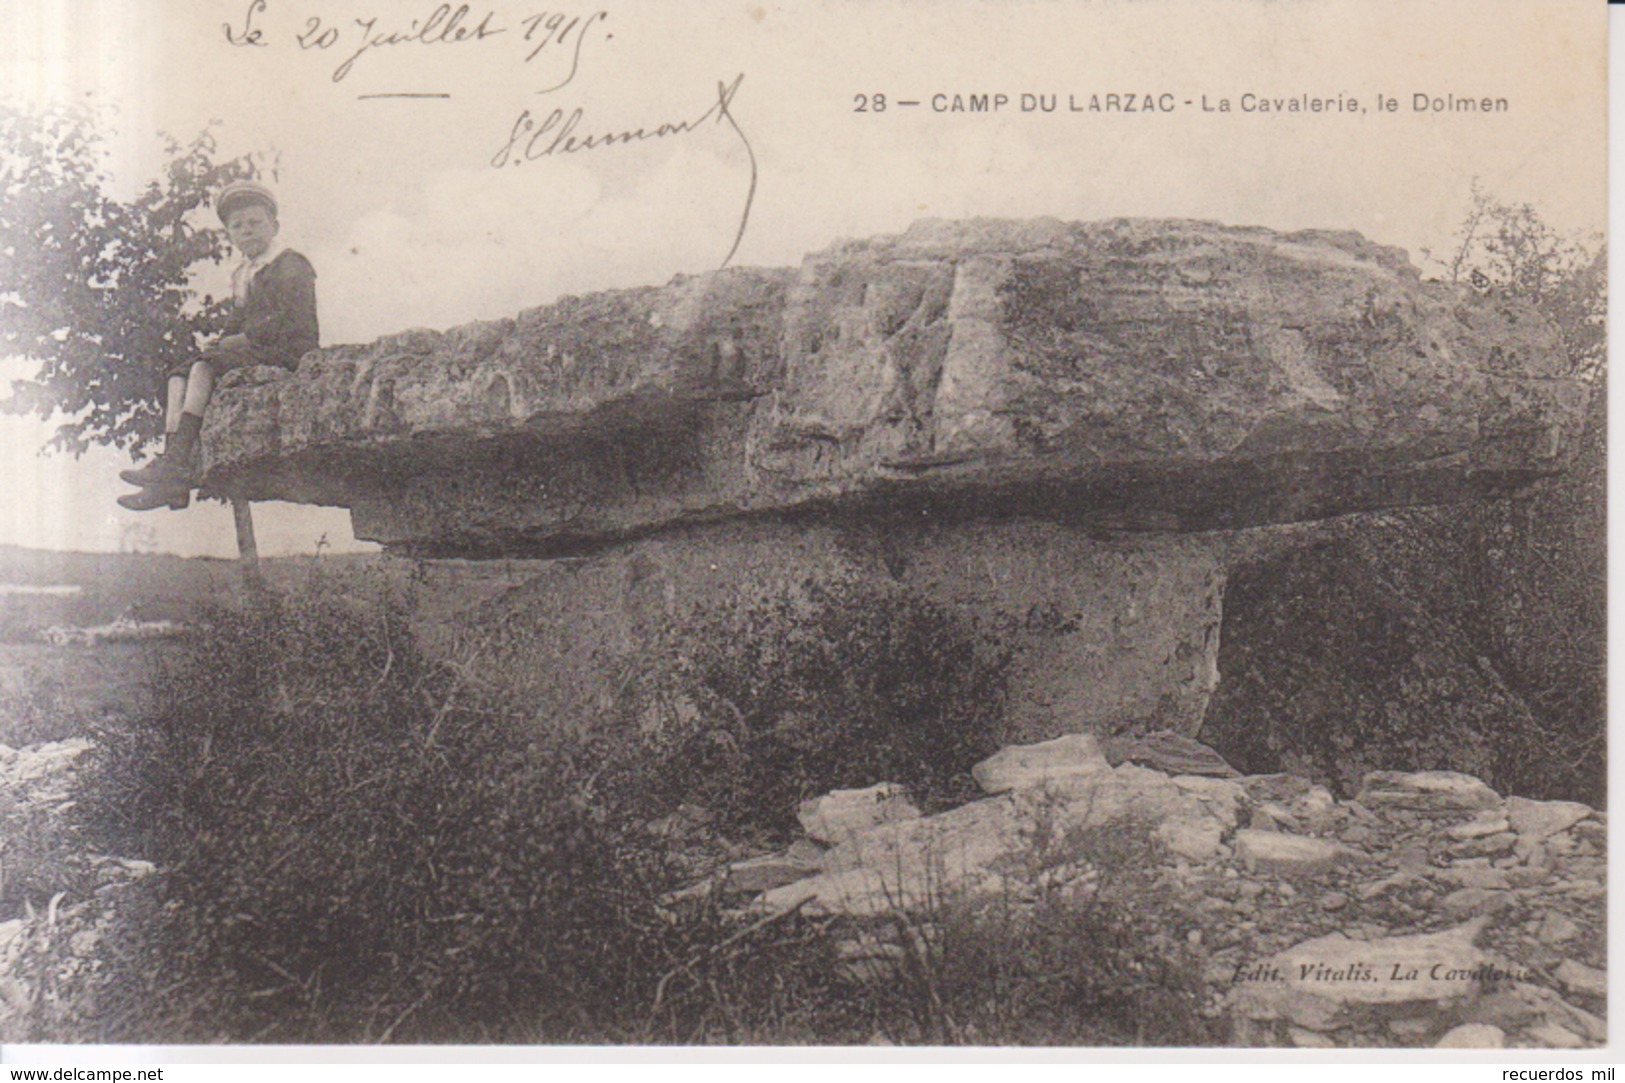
(971,524)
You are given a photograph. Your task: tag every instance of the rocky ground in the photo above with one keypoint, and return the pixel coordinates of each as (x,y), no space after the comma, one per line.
(52,956)
(1429,911)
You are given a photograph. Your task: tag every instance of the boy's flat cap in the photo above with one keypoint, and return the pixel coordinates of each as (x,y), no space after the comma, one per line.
(241,193)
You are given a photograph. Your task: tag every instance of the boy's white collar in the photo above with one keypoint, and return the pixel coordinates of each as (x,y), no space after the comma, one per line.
(272,251)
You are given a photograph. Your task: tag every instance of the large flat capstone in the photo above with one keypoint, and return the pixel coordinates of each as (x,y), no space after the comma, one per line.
(1121,375)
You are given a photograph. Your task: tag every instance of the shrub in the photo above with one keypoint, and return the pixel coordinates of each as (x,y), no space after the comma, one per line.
(1058,971)
(759,704)
(359,844)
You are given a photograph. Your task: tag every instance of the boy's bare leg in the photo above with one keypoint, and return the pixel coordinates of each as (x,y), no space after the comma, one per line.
(174,404)
(199,389)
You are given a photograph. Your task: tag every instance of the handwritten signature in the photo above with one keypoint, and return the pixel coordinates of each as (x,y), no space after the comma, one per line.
(531,140)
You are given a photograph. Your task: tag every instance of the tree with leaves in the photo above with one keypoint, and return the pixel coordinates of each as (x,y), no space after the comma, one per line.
(96,289)
(1511,248)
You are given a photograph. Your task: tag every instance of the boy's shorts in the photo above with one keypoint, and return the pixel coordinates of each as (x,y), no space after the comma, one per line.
(225,359)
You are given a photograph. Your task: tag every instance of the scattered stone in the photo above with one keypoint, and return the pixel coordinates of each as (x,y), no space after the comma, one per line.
(1169,753)
(867,960)
(1333,901)
(1273,816)
(1468,901)
(841,814)
(1488,822)
(1021,767)
(1274,787)
(1410,1030)
(1332,980)
(1196,839)
(1579,978)
(1374,888)
(1506,1010)
(38,761)
(806,851)
(1538,820)
(1222,798)
(911,864)
(1562,845)
(1487,845)
(1289,855)
(1359,811)
(1473,1036)
(1304,1038)
(1552,1036)
(1259,820)
(1557,928)
(760,874)
(1317,809)
(136,867)
(1479,876)
(1548,1005)
(1593,832)
(1413,858)
(1426,791)
(1528,876)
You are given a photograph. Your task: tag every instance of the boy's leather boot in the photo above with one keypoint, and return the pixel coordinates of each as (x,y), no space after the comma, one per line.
(153,472)
(174,496)
(178,463)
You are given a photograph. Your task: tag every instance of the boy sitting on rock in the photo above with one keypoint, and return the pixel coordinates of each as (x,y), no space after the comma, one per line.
(273,322)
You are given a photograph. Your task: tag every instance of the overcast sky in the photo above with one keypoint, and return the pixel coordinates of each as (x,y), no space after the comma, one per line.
(416,215)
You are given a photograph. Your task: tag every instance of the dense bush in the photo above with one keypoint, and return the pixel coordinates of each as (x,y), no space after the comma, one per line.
(359,844)
(754,705)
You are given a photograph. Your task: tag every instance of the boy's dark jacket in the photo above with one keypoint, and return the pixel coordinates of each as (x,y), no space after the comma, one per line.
(279,313)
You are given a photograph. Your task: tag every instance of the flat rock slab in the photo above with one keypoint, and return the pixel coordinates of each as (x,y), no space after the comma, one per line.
(841,814)
(1473,1036)
(1127,374)
(1274,853)
(1579,978)
(912,864)
(1021,767)
(1538,820)
(1426,791)
(760,874)
(1277,787)
(1168,752)
(1333,981)
(981,847)
(1484,824)
(1192,838)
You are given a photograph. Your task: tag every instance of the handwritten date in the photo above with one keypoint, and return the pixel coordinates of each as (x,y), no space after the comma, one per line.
(541,34)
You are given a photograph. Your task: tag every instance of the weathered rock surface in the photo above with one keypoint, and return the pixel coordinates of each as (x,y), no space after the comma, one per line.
(1129,374)
(840,814)
(1022,767)
(1312,940)
(1426,791)
(54,958)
